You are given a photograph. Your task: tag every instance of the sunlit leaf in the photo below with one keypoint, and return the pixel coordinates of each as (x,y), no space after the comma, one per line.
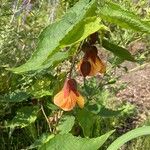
(54,34)
(86,120)
(129,136)
(70,142)
(116,14)
(83,30)
(65,124)
(16,96)
(57,58)
(24,117)
(44,138)
(117,50)
(40,88)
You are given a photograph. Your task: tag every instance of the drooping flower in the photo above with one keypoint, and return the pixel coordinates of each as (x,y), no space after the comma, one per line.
(93,38)
(91,64)
(67,98)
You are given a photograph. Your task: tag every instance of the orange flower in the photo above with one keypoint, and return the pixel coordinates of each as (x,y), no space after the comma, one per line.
(91,64)
(67,98)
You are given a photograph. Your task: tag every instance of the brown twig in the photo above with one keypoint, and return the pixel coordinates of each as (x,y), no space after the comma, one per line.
(56,119)
(42,109)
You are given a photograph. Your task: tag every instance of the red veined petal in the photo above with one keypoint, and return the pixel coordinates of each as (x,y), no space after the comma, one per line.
(65,103)
(85,68)
(91,53)
(70,85)
(69,102)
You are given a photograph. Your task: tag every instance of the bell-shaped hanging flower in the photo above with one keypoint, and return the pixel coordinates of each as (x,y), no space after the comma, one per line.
(91,64)
(93,38)
(67,98)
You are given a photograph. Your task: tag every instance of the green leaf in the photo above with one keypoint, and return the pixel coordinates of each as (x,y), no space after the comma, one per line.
(54,34)
(65,125)
(117,50)
(24,117)
(83,30)
(70,142)
(116,14)
(129,136)
(44,138)
(51,106)
(57,58)
(106,112)
(16,96)
(86,120)
(103,111)
(41,88)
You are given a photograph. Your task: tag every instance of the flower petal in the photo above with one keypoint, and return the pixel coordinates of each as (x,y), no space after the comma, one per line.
(58,99)
(80,101)
(65,103)
(97,66)
(94,68)
(101,65)
(85,68)
(69,102)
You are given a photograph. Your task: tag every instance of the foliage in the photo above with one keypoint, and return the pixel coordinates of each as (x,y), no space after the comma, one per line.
(65,125)
(114,13)
(67,141)
(129,136)
(66,25)
(28,117)
(24,117)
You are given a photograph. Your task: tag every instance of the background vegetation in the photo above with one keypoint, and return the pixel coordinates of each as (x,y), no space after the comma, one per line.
(26,98)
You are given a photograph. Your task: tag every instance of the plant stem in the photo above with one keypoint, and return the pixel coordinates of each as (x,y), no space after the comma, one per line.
(46,118)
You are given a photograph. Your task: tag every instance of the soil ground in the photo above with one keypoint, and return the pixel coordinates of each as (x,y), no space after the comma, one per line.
(137,90)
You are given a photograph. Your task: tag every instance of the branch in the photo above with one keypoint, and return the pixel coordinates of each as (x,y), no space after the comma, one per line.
(46,118)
